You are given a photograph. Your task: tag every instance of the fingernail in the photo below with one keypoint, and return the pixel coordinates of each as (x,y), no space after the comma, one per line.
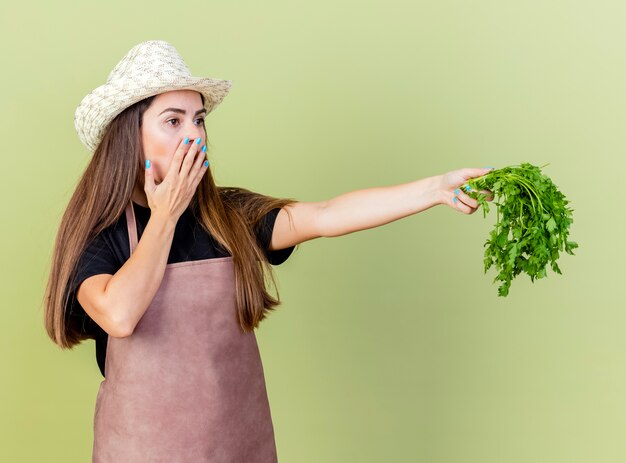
(206,163)
(198,141)
(204,149)
(147,163)
(455,198)
(467,188)
(456,192)
(186,140)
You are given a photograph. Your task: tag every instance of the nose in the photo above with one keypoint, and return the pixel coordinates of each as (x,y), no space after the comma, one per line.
(193,136)
(194,132)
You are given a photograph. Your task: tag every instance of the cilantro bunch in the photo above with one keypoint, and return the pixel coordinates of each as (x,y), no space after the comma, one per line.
(532,225)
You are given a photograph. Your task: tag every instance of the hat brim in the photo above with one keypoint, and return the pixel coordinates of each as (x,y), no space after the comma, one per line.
(104,103)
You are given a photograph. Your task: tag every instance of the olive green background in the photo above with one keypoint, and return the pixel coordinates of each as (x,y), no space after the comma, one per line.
(391,343)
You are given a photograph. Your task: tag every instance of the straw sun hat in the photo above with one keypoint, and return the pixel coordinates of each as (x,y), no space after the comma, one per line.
(149,68)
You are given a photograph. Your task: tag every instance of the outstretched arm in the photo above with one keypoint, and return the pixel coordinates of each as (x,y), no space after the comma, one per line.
(372,207)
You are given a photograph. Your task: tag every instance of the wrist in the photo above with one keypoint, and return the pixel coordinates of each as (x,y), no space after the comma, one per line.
(425,193)
(164,223)
(436,189)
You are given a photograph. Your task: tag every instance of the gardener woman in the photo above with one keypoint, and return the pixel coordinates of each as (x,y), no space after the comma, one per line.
(165,270)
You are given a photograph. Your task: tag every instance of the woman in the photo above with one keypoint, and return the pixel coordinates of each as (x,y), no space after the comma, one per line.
(166,271)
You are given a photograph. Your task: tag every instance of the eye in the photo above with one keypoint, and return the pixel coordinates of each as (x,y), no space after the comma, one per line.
(199,119)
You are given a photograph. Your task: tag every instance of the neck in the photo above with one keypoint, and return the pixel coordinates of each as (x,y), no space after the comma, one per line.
(139,196)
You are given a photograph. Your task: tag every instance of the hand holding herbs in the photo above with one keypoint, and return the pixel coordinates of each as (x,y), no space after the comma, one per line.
(532,225)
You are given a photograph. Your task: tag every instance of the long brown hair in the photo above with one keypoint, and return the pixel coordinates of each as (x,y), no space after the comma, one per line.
(229,214)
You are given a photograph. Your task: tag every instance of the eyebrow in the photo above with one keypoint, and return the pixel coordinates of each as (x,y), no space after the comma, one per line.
(182,111)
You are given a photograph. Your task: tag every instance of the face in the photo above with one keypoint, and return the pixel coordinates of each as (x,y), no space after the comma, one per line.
(171,117)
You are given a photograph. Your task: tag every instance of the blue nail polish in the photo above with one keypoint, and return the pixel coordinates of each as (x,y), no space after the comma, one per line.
(206,163)
(468,188)
(204,149)
(147,163)
(198,141)
(186,140)
(456,192)
(455,198)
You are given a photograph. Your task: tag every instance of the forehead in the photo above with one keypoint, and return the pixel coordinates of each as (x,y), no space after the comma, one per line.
(180,97)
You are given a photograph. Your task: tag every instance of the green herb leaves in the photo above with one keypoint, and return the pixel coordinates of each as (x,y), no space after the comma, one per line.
(532,225)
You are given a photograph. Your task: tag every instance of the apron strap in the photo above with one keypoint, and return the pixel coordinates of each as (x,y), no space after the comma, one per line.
(131,225)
